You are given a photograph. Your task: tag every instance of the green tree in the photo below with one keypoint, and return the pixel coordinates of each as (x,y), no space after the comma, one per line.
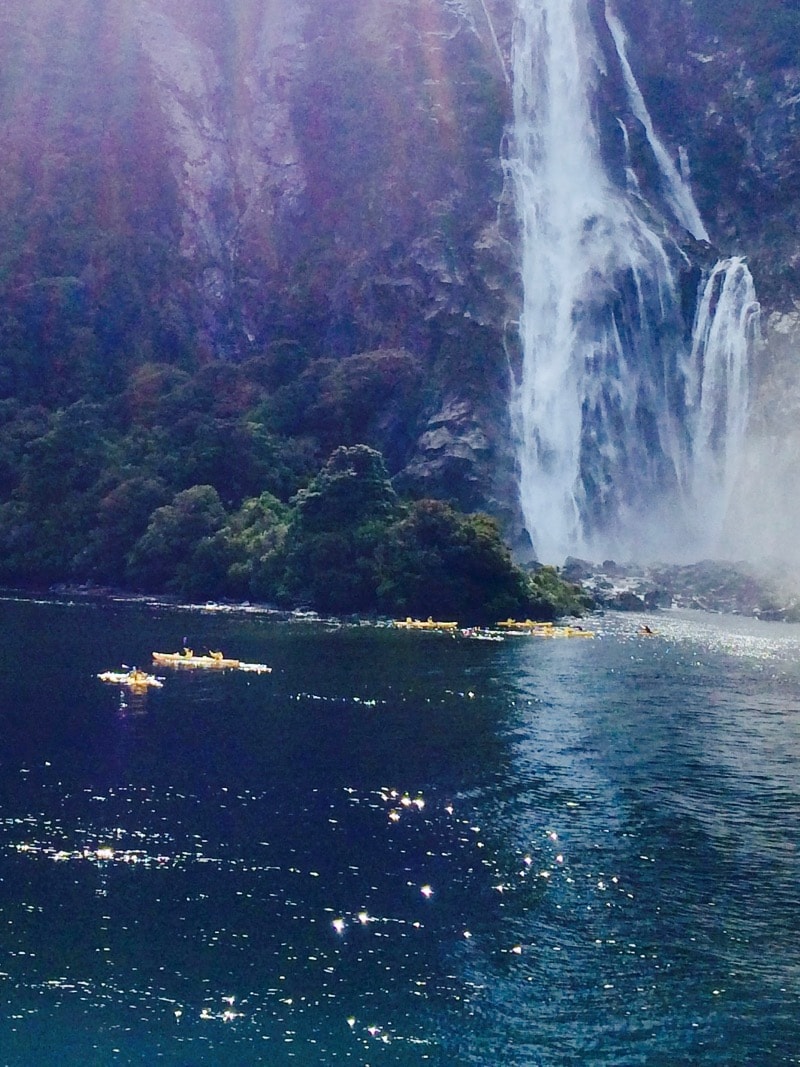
(439,562)
(335,535)
(55,499)
(19,426)
(244,555)
(165,558)
(122,517)
(372,398)
(553,596)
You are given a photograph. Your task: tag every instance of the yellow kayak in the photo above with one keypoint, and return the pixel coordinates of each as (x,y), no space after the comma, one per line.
(426,624)
(543,629)
(537,629)
(134,679)
(187,658)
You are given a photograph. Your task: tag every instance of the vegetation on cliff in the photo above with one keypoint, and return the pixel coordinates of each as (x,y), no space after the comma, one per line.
(223,255)
(194,485)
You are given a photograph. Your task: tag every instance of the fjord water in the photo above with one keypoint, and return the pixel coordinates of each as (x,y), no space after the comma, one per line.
(398,848)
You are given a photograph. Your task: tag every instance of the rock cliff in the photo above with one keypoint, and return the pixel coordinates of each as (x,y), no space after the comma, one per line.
(189,180)
(723,83)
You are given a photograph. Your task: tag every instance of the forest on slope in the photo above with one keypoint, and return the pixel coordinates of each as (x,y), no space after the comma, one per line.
(231,245)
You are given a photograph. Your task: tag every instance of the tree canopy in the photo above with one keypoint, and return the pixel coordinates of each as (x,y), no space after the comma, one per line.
(121,504)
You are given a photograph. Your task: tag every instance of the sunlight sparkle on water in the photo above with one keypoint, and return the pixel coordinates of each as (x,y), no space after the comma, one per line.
(607,833)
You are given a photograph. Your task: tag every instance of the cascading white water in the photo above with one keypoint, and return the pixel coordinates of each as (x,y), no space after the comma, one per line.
(718,384)
(627,434)
(678,193)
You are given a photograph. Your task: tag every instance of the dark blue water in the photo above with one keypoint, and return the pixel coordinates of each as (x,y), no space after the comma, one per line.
(398,848)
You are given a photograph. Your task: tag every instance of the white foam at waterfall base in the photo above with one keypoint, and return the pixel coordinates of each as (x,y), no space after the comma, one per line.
(627,437)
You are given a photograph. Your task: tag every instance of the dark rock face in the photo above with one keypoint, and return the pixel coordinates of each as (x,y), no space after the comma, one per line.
(723,83)
(260,173)
(193,180)
(730,588)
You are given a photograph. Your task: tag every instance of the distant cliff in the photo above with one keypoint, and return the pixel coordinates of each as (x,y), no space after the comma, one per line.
(302,184)
(723,81)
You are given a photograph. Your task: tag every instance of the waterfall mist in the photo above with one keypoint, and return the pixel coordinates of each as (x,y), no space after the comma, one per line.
(631,405)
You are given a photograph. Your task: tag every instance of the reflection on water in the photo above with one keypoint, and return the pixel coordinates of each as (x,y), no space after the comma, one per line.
(398,848)
(267,925)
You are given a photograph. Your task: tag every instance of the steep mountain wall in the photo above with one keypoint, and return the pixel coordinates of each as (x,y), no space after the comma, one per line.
(189,181)
(193,180)
(723,81)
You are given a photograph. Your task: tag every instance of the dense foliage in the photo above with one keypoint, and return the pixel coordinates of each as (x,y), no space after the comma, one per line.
(180,484)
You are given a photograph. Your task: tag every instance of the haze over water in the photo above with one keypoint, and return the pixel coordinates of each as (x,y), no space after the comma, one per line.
(398,848)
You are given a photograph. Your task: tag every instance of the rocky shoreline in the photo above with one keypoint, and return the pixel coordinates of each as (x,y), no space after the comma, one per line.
(768,592)
(735,588)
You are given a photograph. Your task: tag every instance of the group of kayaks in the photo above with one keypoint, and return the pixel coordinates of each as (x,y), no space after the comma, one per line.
(542,629)
(506,627)
(136,679)
(140,680)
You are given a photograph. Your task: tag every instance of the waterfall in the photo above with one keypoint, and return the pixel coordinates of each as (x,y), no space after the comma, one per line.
(627,431)
(725,329)
(678,193)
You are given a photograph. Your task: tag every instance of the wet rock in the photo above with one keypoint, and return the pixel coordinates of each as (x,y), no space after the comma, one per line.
(711,585)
